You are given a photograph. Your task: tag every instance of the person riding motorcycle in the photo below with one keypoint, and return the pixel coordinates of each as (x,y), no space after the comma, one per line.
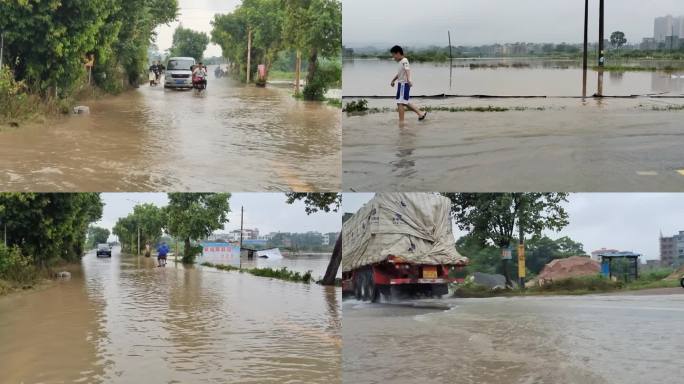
(157,69)
(199,76)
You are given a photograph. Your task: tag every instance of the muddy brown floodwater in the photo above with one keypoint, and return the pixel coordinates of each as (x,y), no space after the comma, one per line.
(232,138)
(560,340)
(614,145)
(121,320)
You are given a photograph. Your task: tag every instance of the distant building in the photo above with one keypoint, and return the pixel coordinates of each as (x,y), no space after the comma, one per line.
(672,250)
(649,44)
(596,254)
(668,30)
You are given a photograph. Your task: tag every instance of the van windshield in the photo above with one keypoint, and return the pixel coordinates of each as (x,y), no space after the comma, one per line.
(180,65)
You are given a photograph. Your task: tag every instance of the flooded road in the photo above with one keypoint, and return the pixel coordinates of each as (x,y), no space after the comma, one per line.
(560,340)
(517,77)
(121,319)
(231,138)
(609,145)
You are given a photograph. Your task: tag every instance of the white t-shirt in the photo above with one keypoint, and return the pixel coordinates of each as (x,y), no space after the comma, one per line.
(404,67)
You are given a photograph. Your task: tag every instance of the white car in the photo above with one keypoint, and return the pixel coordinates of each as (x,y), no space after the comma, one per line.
(179,72)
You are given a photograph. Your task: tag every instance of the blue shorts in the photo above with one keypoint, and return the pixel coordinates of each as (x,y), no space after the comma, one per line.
(403,93)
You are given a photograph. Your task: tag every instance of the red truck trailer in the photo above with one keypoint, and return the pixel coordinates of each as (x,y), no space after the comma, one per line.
(400,243)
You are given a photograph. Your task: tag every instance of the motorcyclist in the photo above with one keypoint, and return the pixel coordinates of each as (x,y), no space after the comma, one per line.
(156,68)
(162,251)
(199,76)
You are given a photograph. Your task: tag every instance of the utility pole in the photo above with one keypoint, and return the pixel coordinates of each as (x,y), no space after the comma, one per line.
(249,53)
(138,239)
(242,218)
(5,235)
(602,54)
(451,61)
(585,63)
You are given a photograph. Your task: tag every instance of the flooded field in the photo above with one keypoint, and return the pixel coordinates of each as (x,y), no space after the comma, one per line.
(517,77)
(232,138)
(589,339)
(554,144)
(121,319)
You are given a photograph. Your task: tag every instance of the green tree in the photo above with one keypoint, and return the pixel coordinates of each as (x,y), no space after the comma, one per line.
(315,28)
(147,220)
(192,216)
(49,226)
(326,202)
(494,217)
(96,235)
(46,42)
(617,39)
(189,43)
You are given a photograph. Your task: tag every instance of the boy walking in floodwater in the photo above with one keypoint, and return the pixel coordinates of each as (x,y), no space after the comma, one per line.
(403,82)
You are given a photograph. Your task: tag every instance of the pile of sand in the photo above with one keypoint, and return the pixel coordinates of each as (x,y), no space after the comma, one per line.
(676,275)
(575,266)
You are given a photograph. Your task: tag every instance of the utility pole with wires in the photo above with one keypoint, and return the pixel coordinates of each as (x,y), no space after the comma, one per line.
(242,221)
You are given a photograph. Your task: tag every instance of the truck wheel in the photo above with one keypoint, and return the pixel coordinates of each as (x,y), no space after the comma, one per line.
(681,282)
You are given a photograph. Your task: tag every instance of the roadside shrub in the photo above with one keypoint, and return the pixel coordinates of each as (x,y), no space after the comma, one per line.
(16,267)
(327,75)
(656,274)
(15,102)
(356,106)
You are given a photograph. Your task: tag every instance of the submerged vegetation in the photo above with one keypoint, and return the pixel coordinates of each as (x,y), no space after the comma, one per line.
(361,107)
(281,273)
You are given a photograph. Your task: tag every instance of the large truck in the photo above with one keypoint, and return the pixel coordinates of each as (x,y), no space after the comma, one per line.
(400,243)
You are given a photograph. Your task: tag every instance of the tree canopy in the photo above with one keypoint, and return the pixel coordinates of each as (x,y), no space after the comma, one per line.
(46,42)
(192,216)
(96,235)
(49,226)
(189,43)
(147,218)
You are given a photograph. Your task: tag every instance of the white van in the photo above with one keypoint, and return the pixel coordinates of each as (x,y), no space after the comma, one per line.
(179,72)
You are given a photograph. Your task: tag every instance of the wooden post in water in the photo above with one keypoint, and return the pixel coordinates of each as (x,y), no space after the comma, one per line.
(249,55)
(586,49)
(602,55)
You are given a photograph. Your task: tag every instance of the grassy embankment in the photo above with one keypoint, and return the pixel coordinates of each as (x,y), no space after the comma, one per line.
(573,286)
(281,274)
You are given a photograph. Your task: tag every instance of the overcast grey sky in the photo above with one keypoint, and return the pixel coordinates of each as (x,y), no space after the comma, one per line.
(628,222)
(426,22)
(267,211)
(197,15)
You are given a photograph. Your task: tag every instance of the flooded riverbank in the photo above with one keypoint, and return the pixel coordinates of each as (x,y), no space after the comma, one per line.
(588,339)
(121,319)
(232,138)
(609,145)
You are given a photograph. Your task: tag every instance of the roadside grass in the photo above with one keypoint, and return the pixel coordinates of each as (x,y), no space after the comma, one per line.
(281,273)
(639,68)
(566,287)
(284,75)
(668,108)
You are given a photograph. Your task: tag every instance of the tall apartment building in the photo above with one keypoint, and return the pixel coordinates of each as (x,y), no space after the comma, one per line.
(668,27)
(672,250)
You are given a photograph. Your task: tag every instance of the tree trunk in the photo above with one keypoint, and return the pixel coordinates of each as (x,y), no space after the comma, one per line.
(334,265)
(187,257)
(298,72)
(313,65)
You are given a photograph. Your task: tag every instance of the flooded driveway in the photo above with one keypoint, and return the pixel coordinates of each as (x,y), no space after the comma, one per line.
(232,138)
(121,319)
(560,340)
(612,145)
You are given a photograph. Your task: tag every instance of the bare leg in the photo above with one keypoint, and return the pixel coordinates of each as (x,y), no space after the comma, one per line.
(401,109)
(415,109)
